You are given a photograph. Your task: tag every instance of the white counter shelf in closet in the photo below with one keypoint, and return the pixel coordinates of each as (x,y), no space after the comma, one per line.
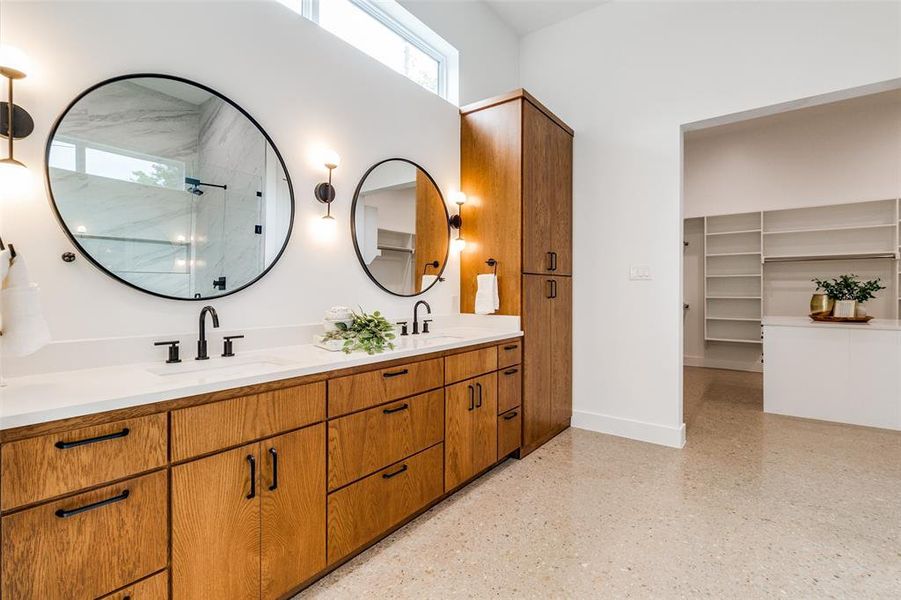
(732,276)
(712,233)
(839,228)
(734,254)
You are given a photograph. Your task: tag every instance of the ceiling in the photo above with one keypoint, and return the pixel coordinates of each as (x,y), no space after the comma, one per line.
(526,16)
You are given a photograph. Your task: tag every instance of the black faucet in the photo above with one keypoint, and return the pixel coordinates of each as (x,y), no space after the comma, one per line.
(201,342)
(428,310)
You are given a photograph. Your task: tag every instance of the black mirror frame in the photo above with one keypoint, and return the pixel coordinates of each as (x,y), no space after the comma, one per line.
(353,226)
(87,255)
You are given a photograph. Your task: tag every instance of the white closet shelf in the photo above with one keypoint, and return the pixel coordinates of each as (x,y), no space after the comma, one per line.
(735,340)
(830,256)
(735,275)
(734,254)
(838,228)
(733,297)
(736,232)
(747,319)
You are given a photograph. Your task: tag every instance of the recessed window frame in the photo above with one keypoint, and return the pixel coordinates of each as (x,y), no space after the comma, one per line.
(398,20)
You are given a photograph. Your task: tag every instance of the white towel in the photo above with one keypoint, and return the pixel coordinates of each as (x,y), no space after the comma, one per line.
(427,281)
(24,329)
(487,298)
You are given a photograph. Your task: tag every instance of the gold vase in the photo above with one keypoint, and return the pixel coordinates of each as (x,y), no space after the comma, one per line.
(821,304)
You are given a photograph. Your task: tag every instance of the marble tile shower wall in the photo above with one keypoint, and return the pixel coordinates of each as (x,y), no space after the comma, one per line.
(232,152)
(132,229)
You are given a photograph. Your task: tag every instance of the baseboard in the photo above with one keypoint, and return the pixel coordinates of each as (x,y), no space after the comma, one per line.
(713,363)
(673,437)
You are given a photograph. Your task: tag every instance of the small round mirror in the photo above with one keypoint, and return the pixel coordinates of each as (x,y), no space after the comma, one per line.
(169,187)
(400,227)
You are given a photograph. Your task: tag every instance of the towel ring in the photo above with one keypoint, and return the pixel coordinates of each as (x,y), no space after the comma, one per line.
(492,263)
(434,264)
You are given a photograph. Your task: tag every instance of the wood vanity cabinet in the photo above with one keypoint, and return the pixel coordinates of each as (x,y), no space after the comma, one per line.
(250,522)
(470,431)
(516,158)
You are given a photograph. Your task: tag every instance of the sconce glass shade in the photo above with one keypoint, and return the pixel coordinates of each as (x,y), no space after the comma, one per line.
(458,244)
(13,62)
(459,198)
(330,159)
(14,176)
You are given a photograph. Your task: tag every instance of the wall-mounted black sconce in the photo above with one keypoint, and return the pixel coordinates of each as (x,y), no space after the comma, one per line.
(456,221)
(15,122)
(325,191)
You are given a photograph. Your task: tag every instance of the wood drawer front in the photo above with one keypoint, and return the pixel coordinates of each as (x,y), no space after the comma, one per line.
(359,513)
(509,433)
(356,392)
(152,588)
(364,442)
(469,364)
(509,354)
(52,465)
(90,553)
(509,388)
(210,427)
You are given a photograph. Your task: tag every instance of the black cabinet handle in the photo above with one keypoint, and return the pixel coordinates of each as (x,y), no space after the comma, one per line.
(396,473)
(472,397)
(553,288)
(389,411)
(550,261)
(553,261)
(479,405)
(511,371)
(550,289)
(253,476)
(100,438)
(274,454)
(511,347)
(65,514)
(509,416)
(395,373)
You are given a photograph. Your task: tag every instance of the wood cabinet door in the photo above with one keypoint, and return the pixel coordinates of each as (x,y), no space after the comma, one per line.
(561,154)
(292,484)
(216,527)
(561,352)
(536,392)
(538,189)
(470,436)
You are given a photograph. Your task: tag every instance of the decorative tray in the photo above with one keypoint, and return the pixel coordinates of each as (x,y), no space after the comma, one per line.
(831,319)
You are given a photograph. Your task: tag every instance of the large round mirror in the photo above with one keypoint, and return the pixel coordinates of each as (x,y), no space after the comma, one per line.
(400,227)
(169,187)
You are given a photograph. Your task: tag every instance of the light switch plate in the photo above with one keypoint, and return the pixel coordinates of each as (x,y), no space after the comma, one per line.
(640,272)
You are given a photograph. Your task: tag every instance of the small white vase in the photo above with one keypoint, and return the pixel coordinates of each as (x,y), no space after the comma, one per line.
(859,311)
(844,308)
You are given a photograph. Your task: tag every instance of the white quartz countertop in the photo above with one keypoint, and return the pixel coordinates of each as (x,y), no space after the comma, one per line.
(881,324)
(40,398)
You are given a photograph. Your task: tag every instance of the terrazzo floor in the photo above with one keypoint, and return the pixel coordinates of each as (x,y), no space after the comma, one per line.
(755,506)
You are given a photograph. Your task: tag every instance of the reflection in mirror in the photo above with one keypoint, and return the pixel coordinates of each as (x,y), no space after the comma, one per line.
(169,187)
(400,226)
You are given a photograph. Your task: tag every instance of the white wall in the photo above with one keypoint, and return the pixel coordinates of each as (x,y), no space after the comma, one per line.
(848,151)
(489,48)
(303,85)
(626,76)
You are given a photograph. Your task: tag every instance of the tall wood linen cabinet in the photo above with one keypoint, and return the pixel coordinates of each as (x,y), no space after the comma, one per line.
(516,170)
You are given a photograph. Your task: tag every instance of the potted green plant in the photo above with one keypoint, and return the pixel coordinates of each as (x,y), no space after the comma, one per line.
(849,293)
(371,333)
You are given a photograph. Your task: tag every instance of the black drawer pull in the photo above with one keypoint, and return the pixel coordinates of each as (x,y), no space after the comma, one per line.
(553,261)
(389,411)
(253,477)
(509,416)
(65,514)
(100,438)
(395,373)
(274,454)
(472,397)
(479,405)
(511,371)
(398,472)
(512,347)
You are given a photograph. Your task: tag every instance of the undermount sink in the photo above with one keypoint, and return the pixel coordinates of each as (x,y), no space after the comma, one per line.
(427,339)
(214,365)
